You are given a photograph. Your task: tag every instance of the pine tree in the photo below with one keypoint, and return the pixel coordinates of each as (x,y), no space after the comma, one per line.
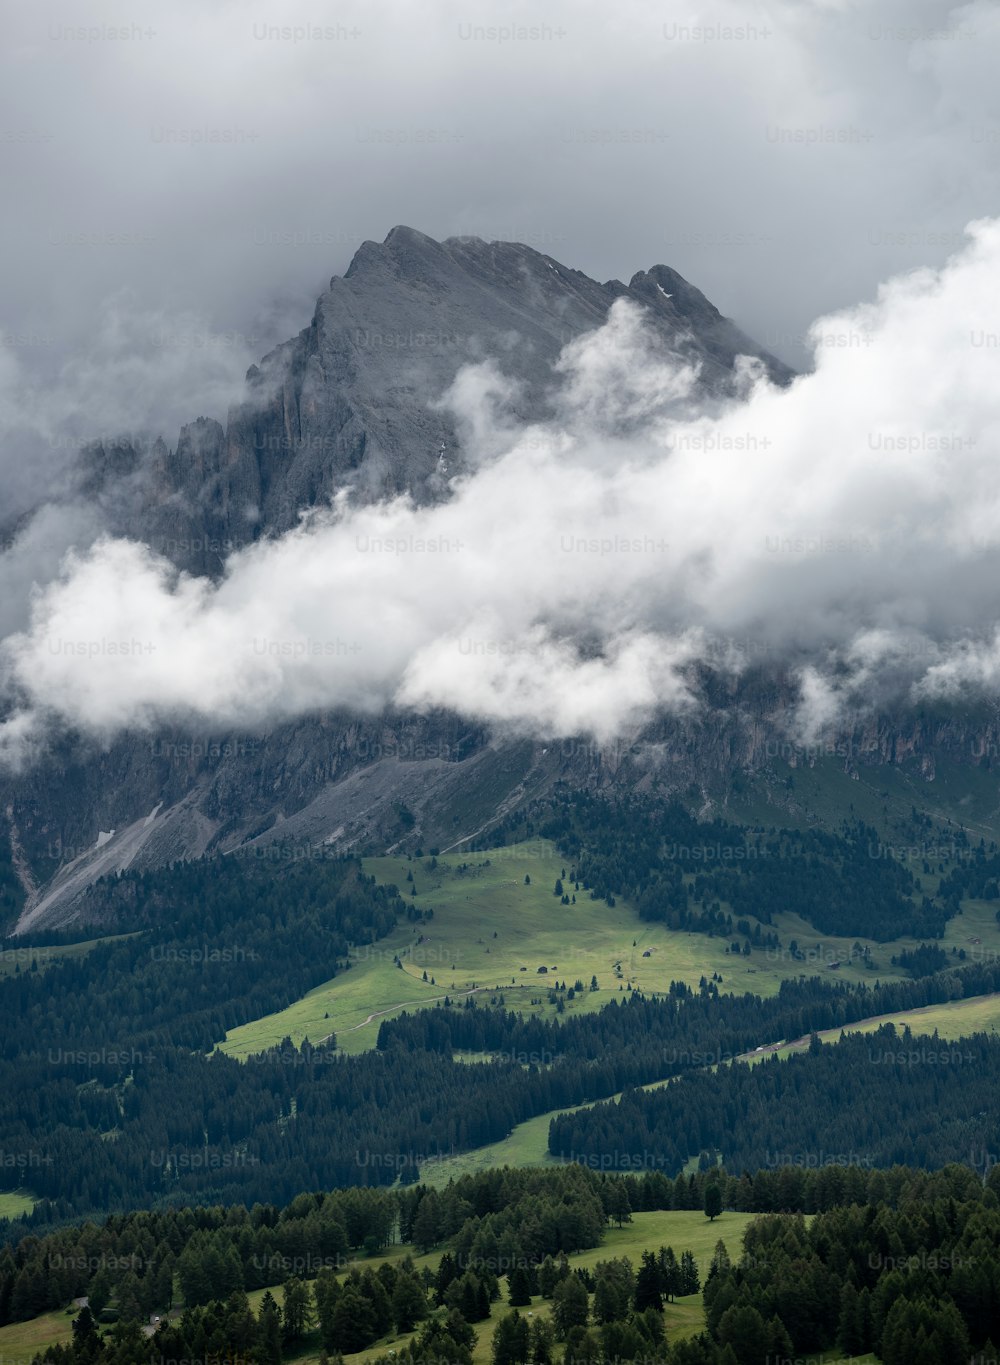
(671,1280)
(850,1325)
(690,1279)
(519,1287)
(296,1309)
(352,1326)
(743,1328)
(269,1331)
(648,1285)
(446,1272)
(713,1200)
(511,1340)
(426,1225)
(570,1305)
(548,1277)
(409,1304)
(619,1208)
(542,1342)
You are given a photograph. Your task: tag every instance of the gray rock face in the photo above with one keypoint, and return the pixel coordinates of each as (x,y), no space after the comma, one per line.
(403,781)
(348,402)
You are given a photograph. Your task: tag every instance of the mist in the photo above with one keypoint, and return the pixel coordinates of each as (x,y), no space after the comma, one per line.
(845,529)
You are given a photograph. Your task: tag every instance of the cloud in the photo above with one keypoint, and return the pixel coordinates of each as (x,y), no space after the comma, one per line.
(846,528)
(179,175)
(141,372)
(199,153)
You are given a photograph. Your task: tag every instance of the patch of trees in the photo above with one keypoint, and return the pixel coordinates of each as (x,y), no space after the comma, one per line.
(918,1284)
(491,1222)
(111,1109)
(215,943)
(901,1262)
(879,1099)
(682,871)
(924,960)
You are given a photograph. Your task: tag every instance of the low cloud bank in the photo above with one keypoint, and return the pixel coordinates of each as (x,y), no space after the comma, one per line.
(846,528)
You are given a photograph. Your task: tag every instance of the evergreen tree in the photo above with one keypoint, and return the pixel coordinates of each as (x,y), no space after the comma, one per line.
(409,1303)
(619,1208)
(713,1200)
(548,1277)
(648,1284)
(269,1331)
(296,1309)
(743,1328)
(99,1292)
(850,1325)
(690,1280)
(446,1272)
(542,1342)
(84,1328)
(671,1278)
(352,1326)
(426,1224)
(519,1286)
(511,1340)
(570,1307)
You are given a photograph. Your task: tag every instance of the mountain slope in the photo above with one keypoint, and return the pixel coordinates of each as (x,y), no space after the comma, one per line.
(351,400)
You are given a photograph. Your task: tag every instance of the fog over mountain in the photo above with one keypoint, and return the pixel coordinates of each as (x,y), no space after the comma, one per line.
(306,517)
(499,675)
(587,528)
(192,177)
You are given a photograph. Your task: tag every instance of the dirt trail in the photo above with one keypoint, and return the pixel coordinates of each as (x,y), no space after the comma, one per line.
(424,1000)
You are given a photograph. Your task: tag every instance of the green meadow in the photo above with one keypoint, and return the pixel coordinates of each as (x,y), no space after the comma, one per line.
(14,1203)
(683,1230)
(499,932)
(15,959)
(20,1342)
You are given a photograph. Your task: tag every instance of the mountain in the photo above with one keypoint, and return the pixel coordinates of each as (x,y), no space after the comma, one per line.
(349,402)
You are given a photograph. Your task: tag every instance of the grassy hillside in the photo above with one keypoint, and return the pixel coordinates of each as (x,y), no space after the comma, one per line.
(14,959)
(20,1342)
(820,791)
(492,930)
(951,1020)
(14,1203)
(684,1231)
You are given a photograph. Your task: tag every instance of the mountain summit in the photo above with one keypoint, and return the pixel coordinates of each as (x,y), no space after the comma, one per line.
(350,400)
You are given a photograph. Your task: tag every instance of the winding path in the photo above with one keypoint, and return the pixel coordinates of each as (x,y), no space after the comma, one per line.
(426,1000)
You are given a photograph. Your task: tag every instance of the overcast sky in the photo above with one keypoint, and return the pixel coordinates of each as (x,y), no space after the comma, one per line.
(181,181)
(244,150)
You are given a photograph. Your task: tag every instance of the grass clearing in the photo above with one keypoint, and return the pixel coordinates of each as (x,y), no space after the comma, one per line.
(492,931)
(14,1203)
(683,1230)
(14,959)
(20,1342)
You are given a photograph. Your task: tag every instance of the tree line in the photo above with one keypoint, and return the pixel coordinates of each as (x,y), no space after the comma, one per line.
(682,871)
(910,1269)
(878,1099)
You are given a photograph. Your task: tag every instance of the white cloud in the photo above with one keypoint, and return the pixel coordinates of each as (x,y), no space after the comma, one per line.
(848,526)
